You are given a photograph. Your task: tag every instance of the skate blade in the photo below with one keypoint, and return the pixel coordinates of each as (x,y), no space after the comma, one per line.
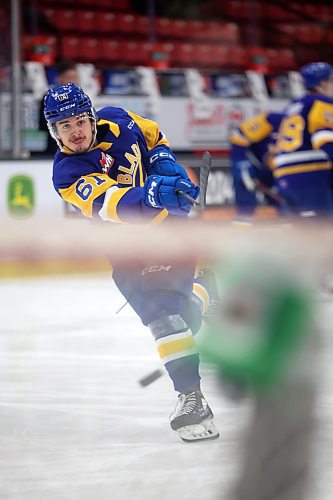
(199,432)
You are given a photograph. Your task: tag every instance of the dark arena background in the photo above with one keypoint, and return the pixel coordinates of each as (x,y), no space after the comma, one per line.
(84,400)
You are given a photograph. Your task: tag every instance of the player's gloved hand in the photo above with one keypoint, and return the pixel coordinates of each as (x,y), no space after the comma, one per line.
(161,161)
(163,192)
(246,172)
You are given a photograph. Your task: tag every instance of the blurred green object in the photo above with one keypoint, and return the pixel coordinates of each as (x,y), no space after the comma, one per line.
(264,316)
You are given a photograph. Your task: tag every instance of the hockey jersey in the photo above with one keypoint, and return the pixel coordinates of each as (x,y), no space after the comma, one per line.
(305,139)
(107,180)
(254,139)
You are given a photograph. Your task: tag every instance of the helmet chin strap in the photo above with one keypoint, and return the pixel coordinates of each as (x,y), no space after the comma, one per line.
(94,127)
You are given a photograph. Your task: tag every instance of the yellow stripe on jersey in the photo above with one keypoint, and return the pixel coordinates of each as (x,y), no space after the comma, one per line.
(257,128)
(176,346)
(320,116)
(299,169)
(114,127)
(112,199)
(105,146)
(150,130)
(85,190)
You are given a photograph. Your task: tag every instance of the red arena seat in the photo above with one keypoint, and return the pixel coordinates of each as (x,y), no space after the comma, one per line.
(163,27)
(90,49)
(203,55)
(62,19)
(70,47)
(280,59)
(129,53)
(127,24)
(109,51)
(86,21)
(106,22)
(237,57)
(196,29)
(179,28)
(183,54)
(142,26)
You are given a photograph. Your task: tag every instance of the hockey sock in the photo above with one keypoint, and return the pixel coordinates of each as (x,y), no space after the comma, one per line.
(177,349)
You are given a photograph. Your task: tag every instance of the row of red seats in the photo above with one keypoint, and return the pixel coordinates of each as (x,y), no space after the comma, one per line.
(105,51)
(201,55)
(131,25)
(287,34)
(291,11)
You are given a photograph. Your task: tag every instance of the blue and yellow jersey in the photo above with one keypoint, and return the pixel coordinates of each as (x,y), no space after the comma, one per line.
(305,138)
(254,139)
(107,180)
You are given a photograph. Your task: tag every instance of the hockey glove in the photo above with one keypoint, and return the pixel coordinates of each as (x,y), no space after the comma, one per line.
(161,161)
(163,192)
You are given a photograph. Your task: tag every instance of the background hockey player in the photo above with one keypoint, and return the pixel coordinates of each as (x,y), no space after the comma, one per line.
(117,166)
(304,153)
(250,154)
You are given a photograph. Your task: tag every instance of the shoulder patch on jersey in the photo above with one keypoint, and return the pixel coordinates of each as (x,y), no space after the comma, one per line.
(320,116)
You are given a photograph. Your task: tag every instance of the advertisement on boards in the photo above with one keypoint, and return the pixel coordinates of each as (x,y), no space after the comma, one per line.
(26,190)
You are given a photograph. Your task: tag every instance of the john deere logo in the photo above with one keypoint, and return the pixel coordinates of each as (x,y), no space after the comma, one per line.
(21,197)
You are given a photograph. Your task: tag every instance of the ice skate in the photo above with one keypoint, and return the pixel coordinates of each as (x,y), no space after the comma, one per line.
(193,418)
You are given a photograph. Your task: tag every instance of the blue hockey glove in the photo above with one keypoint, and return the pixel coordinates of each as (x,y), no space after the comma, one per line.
(161,161)
(162,192)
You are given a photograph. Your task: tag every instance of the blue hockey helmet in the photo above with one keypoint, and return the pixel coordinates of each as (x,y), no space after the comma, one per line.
(314,73)
(65,101)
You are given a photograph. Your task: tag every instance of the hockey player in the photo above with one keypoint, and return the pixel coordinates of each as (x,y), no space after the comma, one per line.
(117,166)
(304,152)
(251,147)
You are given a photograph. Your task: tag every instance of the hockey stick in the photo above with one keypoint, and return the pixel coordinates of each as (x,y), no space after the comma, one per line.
(187,197)
(203,180)
(273,195)
(203,183)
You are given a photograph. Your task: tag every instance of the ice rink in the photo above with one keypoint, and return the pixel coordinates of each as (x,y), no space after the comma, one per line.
(76,425)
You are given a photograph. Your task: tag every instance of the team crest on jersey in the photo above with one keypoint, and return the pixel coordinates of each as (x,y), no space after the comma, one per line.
(106,161)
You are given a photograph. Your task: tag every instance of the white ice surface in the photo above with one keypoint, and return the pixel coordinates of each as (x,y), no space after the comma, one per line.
(76,425)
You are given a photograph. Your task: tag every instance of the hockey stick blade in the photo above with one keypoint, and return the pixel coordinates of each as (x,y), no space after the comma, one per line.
(259,186)
(203,178)
(149,379)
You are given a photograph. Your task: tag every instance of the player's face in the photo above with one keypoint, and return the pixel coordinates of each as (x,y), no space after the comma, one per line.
(76,133)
